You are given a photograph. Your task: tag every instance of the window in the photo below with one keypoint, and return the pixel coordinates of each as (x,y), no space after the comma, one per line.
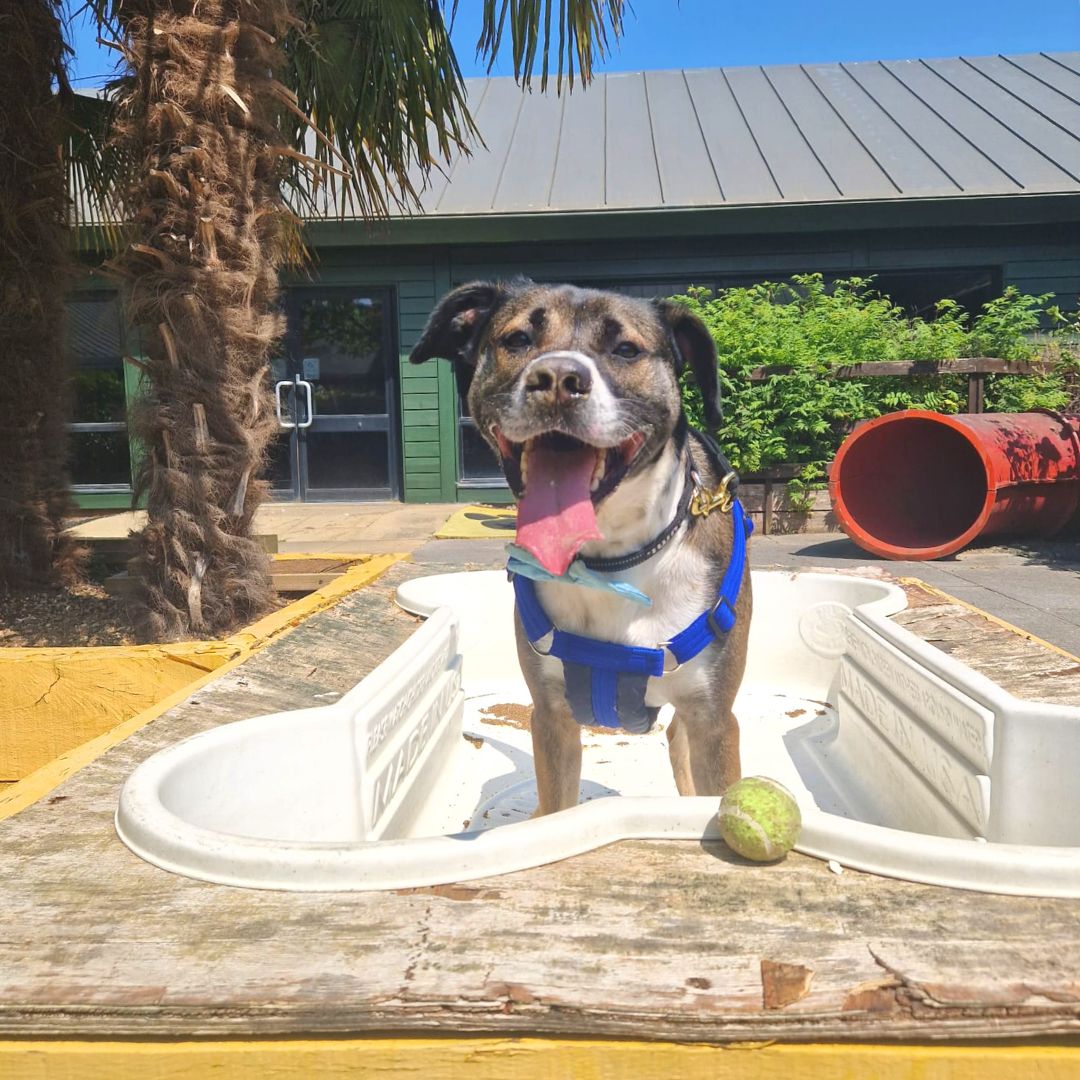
(478,465)
(101,455)
(917,291)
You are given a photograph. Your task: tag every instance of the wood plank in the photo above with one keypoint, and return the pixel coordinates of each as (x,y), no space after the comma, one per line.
(1022,666)
(523,1058)
(421,442)
(422,380)
(423,481)
(413,466)
(290,575)
(898,368)
(300,582)
(117,550)
(429,370)
(423,289)
(653,940)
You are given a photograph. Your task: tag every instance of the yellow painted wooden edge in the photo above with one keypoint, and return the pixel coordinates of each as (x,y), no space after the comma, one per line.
(527,1059)
(189,651)
(330,556)
(30,789)
(992,618)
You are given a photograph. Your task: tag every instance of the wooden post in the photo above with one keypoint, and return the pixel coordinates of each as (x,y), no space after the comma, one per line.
(976,391)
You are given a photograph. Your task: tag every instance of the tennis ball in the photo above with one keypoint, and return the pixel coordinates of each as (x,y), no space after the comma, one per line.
(759,819)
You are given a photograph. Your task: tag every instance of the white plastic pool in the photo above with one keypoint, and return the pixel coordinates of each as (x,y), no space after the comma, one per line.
(904,761)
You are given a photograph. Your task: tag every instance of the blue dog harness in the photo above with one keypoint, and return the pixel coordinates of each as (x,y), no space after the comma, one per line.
(606,682)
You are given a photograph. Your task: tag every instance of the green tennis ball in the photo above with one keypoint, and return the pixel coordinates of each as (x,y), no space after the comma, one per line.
(759,819)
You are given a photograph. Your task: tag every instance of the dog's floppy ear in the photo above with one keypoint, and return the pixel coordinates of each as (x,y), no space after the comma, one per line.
(455,326)
(694,346)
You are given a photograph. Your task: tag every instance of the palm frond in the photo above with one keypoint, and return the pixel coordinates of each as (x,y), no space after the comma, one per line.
(381,85)
(98,171)
(586,29)
(372,94)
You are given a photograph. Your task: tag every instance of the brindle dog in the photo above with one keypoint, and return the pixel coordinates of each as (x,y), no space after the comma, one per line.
(577,391)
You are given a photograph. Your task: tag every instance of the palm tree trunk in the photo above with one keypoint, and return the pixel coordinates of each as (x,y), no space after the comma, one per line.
(202,124)
(34,268)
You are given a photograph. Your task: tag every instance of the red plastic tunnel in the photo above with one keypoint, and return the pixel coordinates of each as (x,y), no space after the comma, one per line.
(922,485)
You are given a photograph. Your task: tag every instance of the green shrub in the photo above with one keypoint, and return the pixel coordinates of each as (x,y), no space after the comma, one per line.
(810,329)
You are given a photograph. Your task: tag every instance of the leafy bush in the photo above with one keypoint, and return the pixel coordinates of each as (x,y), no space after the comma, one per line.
(810,329)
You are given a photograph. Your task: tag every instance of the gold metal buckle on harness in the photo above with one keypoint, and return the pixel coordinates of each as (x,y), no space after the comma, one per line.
(703,502)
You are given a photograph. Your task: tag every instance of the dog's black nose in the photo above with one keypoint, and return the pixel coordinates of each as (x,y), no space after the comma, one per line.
(558,380)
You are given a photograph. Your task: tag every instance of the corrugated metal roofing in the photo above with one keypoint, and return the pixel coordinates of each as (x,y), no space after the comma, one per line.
(656,140)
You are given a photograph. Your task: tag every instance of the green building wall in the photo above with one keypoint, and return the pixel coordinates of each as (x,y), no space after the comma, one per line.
(1036,255)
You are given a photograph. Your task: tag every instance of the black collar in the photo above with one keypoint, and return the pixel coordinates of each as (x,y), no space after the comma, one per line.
(690,485)
(635,558)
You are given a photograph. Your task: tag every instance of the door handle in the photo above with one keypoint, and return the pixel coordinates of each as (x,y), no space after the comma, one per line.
(310,403)
(279,405)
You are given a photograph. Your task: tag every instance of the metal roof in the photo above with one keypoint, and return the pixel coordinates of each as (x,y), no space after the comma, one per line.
(813,133)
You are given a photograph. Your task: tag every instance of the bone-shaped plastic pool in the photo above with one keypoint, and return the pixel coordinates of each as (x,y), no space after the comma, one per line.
(904,761)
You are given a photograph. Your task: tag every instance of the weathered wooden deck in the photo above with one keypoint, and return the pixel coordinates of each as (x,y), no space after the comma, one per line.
(645,940)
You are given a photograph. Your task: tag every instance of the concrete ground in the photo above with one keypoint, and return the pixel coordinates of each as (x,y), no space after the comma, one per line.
(1035,586)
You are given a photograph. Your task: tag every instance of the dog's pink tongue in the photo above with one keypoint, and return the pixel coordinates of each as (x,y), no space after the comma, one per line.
(555,516)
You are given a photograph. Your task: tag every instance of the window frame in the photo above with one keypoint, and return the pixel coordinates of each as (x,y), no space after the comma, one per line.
(131,379)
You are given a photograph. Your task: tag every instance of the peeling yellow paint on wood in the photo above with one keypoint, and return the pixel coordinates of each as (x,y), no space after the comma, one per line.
(526,1059)
(54,700)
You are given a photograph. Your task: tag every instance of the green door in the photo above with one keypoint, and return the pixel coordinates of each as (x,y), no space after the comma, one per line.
(337,398)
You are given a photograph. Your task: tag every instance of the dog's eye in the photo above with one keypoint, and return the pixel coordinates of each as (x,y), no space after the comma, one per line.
(517,340)
(627,350)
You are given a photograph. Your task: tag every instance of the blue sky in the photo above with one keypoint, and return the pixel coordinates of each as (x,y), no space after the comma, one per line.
(707,33)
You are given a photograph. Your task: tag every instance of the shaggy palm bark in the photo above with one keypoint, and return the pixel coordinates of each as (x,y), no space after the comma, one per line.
(34,265)
(201,120)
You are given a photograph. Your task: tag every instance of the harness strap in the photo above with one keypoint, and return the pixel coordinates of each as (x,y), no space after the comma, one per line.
(605,655)
(713,624)
(619,674)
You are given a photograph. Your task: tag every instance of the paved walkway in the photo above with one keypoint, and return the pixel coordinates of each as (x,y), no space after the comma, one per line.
(374,528)
(1035,586)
